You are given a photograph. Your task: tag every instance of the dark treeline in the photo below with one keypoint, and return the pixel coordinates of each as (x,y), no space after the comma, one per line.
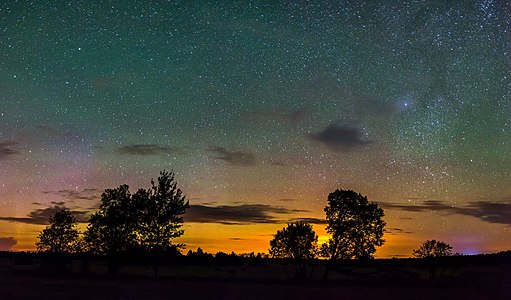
(139,228)
(450,269)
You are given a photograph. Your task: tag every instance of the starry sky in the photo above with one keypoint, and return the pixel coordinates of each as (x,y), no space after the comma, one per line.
(261,108)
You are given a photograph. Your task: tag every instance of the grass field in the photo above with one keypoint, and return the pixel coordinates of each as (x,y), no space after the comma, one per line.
(456,278)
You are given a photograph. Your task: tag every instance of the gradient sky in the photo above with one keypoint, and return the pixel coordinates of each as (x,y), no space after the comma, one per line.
(261,108)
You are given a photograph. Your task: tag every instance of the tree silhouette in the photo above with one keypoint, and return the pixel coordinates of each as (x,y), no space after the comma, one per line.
(433,248)
(145,221)
(161,216)
(162,207)
(61,236)
(356,226)
(297,241)
(429,251)
(112,229)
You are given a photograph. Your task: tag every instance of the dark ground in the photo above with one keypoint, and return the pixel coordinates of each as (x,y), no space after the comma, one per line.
(35,287)
(456,278)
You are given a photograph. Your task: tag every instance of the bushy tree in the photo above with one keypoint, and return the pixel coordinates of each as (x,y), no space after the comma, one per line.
(112,229)
(146,221)
(162,208)
(297,241)
(433,248)
(356,226)
(61,236)
(161,216)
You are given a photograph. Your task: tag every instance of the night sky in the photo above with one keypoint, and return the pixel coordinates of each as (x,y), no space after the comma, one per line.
(261,109)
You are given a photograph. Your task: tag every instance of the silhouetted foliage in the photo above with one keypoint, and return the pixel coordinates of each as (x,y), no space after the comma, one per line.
(199,257)
(297,241)
(162,208)
(433,248)
(112,229)
(356,226)
(61,236)
(145,222)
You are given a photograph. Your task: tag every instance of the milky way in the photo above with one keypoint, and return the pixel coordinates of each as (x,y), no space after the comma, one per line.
(261,110)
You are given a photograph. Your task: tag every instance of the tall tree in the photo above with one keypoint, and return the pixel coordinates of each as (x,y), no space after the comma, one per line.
(162,208)
(297,241)
(161,216)
(356,226)
(61,235)
(111,229)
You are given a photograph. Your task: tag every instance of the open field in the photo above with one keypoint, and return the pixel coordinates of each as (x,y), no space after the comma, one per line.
(456,278)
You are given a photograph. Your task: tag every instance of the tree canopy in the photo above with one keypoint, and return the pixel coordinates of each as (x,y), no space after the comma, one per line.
(356,226)
(162,208)
(433,248)
(111,229)
(145,221)
(298,241)
(61,235)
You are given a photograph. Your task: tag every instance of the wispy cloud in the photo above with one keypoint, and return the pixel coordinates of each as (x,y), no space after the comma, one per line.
(396,231)
(8,149)
(341,138)
(149,149)
(487,211)
(6,243)
(236,158)
(41,216)
(309,220)
(237,214)
(288,200)
(72,195)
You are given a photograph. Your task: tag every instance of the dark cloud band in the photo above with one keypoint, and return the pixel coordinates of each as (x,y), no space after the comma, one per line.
(149,149)
(237,158)
(341,138)
(487,211)
(237,214)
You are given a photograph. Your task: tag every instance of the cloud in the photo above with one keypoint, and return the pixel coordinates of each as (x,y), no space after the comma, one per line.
(341,138)
(395,231)
(287,199)
(428,205)
(42,215)
(72,195)
(309,220)
(487,211)
(236,214)
(491,212)
(236,158)
(7,149)
(149,149)
(6,243)
(278,163)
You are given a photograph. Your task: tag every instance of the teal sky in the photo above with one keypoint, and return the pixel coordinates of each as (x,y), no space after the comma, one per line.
(252,103)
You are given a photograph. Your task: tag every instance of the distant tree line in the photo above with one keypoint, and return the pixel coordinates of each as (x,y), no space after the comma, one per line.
(145,223)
